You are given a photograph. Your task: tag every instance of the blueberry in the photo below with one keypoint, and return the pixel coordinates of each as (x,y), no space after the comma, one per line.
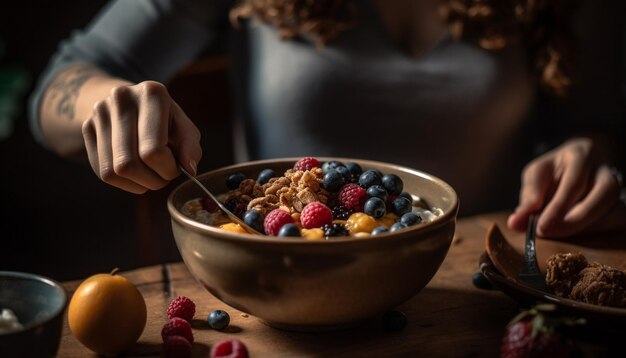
(407,195)
(218,319)
(393,184)
(394,321)
(397,226)
(345,173)
(410,219)
(479,280)
(380,230)
(377,191)
(401,206)
(330,165)
(254,219)
(265,175)
(234,180)
(333,181)
(369,178)
(375,207)
(354,168)
(289,229)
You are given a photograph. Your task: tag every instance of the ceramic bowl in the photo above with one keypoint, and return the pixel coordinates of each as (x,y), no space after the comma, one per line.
(38,303)
(311,285)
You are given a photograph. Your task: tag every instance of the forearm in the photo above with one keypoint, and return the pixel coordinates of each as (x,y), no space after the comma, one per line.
(68,101)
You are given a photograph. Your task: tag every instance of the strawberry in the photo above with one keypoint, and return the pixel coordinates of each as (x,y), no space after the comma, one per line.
(537,333)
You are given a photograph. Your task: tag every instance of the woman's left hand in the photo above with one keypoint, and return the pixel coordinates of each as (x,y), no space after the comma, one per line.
(576,189)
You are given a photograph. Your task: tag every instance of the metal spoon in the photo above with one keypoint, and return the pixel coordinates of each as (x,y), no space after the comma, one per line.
(232,216)
(530,274)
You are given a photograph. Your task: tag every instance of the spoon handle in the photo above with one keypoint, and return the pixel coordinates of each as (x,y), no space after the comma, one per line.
(232,216)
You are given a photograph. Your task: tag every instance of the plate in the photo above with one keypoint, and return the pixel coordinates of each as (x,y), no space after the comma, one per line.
(502,260)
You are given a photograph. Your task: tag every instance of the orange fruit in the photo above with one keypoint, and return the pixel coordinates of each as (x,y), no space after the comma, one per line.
(107,313)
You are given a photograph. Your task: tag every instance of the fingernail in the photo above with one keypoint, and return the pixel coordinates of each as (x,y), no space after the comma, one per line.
(194,167)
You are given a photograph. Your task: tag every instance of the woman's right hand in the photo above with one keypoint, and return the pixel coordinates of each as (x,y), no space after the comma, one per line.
(137,135)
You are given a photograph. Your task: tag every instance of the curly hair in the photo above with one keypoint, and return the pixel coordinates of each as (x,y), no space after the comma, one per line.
(542,26)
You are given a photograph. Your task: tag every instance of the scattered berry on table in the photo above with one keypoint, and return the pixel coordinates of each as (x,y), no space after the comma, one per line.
(176,347)
(234,180)
(254,219)
(218,319)
(394,321)
(230,348)
(352,196)
(177,327)
(369,178)
(182,307)
(315,214)
(397,226)
(536,333)
(410,219)
(392,183)
(306,163)
(340,212)
(236,206)
(375,207)
(380,230)
(289,230)
(480,281)
(274,220)
(331,165)
(333,230)
(354,169)
(401,206)
(333,181)
(265,175)
(378,191)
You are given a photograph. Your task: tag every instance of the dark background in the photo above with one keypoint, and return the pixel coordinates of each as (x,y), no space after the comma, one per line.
(57,218)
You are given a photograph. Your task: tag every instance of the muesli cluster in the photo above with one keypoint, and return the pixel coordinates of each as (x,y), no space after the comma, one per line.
(315,200)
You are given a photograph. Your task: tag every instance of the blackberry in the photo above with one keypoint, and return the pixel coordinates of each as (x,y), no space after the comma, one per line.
(335,230)
(236,207)
(340,212)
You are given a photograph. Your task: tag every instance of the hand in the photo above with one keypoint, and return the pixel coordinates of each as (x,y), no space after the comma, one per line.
(135,137)
(576,190)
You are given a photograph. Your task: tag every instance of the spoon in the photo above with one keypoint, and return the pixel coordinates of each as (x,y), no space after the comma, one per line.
(530,274)
(230,215)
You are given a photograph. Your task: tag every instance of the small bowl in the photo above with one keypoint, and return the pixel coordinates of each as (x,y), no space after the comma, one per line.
(308,285)
(39,304)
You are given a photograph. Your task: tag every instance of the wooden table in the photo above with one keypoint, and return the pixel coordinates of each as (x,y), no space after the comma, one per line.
(448,318)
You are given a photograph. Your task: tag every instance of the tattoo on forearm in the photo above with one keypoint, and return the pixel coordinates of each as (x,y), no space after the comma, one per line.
(64,91)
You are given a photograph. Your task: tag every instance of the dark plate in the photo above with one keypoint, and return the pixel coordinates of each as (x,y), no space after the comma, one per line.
(502,260)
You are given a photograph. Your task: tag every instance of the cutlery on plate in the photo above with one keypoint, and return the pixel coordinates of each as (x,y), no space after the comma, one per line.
(530,273)
(232,216)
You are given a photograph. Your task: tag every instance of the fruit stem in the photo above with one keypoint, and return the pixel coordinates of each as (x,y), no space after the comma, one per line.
(115,270)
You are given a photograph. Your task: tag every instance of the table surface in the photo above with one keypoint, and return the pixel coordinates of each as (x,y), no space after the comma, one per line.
(450,317)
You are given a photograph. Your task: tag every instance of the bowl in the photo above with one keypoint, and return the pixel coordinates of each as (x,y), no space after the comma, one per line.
(38,303)
(309,285)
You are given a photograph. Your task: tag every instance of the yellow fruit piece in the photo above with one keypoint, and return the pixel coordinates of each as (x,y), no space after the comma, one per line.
(388,220)
(233,227)
(312,234)
(107,314)
(362,234)
(361,222)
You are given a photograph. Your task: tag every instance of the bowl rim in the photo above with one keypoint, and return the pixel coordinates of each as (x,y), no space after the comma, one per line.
(40,279)
(215,232)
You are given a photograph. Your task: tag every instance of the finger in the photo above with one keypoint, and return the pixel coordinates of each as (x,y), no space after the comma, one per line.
(537,184)
(185,140)
(105,170)
(153,126)
(601,198)
(89,136)
(126,162)
(573,184)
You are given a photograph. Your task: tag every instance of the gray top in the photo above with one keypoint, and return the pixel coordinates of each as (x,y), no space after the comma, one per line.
(457,112)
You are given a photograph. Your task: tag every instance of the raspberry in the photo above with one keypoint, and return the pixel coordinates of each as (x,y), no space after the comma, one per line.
(275,220)
(177,327)
(230,348)
(176,347)
(352,196)
(316,214)
(182,307)
(209,205)
(306,163)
